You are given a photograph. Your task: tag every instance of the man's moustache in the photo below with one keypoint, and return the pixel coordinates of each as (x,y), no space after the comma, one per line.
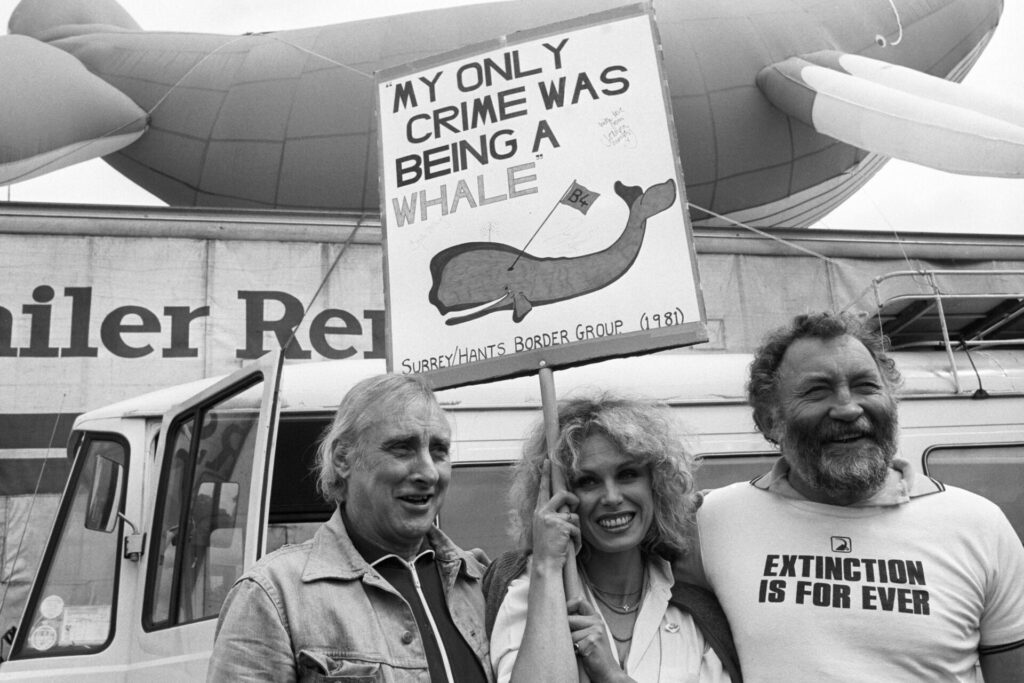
(840,432)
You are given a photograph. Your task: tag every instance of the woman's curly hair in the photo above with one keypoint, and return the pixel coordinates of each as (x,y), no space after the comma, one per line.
(643,431)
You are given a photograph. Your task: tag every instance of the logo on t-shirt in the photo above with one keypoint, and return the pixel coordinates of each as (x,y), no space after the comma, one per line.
(842,544)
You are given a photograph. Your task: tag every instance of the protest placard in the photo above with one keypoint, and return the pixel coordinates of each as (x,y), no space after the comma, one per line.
(533,204)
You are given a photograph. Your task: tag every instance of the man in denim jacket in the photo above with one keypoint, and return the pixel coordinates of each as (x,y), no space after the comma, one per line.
(379,593)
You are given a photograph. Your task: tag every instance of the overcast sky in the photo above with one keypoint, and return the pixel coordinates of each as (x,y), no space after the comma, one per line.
(902,196)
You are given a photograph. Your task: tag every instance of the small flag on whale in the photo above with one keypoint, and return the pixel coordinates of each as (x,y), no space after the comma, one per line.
(579,198)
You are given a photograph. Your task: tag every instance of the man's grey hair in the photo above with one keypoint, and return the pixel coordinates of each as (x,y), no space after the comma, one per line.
(372,398)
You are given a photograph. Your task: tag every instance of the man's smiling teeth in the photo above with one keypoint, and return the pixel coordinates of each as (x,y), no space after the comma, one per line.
(848,437)
(418,500)
(617,521)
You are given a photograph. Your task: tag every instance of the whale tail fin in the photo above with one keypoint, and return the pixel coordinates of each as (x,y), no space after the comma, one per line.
(657,198)
(629,193)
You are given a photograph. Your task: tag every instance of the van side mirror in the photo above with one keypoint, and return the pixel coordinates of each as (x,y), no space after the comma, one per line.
(6,641)
(104,495)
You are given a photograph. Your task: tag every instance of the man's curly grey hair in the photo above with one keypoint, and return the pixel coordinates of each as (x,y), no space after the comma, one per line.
(762,386)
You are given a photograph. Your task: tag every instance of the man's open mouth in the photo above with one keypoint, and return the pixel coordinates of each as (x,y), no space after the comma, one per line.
(417,500)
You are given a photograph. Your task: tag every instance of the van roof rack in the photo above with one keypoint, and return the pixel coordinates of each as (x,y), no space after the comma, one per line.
(932,309)
(947,309)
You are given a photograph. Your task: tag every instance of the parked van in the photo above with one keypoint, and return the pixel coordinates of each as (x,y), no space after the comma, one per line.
(174,494)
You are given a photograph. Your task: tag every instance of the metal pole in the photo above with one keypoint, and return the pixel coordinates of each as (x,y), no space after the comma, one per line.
(945,333)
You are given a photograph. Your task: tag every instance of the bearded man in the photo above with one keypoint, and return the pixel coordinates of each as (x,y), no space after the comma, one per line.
(843,563)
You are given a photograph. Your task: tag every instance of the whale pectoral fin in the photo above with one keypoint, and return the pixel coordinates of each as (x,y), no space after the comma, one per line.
(629,193)
(657,198)
(521,305)
(894,111)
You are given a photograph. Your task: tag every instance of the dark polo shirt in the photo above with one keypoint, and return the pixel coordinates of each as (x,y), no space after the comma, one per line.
(404,577)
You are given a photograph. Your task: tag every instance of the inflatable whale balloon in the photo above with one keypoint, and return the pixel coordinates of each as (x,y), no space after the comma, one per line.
(783,108)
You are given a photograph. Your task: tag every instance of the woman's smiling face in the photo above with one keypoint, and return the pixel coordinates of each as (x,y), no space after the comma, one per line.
(616,502)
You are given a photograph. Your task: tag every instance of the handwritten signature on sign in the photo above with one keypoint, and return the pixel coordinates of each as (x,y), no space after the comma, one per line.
(615,131)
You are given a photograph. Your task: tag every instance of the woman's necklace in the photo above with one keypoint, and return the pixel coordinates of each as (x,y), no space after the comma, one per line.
(621,640)
(626,607)
(606,598)
(614,617)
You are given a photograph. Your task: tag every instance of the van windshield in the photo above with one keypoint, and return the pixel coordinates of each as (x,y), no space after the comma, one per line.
(72,605)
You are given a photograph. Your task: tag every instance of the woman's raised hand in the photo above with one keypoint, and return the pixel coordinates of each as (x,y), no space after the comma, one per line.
(555,532)
(591,643)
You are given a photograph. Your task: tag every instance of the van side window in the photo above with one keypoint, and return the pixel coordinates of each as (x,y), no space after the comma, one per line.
(198,543)
(992,471)
(73,602)
(296,508)
(475,512)
(715,470)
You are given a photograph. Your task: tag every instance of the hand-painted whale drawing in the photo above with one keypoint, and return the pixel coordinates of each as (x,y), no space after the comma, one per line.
(475,273)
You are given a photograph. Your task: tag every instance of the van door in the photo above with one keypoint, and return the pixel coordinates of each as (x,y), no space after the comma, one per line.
(207,519)
(100,613)
(70,619)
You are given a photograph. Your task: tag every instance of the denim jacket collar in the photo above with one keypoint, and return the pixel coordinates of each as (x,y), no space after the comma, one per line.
(334,557)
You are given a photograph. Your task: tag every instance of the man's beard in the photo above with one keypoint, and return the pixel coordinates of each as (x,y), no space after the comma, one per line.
(843,470)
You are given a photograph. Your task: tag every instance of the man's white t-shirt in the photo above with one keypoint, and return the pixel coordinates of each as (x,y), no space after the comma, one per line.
(909,586)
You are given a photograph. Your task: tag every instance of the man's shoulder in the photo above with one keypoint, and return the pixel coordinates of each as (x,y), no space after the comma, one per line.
(474,559)
(957,501)
(288,561)
(725,495)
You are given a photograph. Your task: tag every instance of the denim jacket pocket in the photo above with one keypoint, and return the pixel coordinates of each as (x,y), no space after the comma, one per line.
(315,666)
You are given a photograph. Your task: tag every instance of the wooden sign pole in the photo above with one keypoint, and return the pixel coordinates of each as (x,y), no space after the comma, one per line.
(549,405)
